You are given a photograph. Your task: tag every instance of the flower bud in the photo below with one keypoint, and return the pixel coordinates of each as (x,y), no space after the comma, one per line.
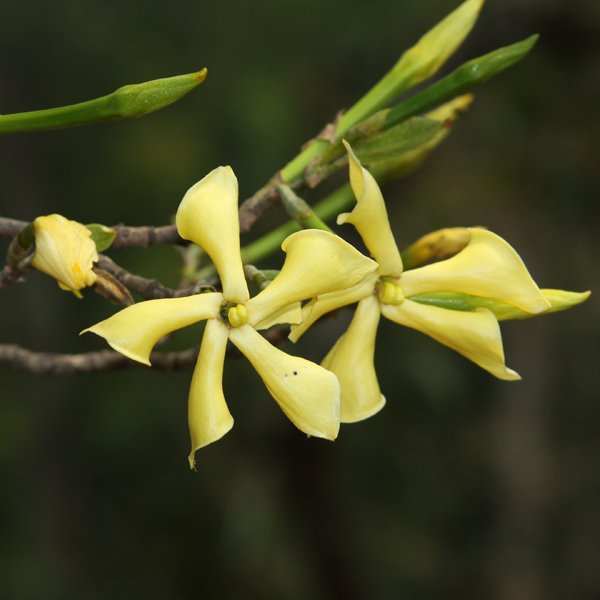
(65,251)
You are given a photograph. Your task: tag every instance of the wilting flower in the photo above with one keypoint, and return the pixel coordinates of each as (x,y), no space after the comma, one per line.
(316,262)
(64,250)
(487,268)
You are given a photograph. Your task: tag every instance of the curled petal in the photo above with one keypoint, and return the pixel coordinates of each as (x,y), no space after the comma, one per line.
(134,330)
(487,267)
(351,360)
(288,314)
(208,216)
(370,218)
(475,335)
(307,393)
(316,262)
(208,415)
(321,305)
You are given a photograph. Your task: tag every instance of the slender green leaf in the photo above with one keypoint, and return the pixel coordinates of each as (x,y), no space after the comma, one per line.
(465,78)
(559,300)
(128,102)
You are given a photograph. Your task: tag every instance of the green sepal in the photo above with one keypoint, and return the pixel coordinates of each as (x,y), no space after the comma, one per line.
(392,143)
(385,147)
(102,236)
(20,246)
(27,236)
(559,300)
(366,128)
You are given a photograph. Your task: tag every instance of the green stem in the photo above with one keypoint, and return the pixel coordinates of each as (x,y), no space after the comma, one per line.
(295,167)
(259,279)
(128,102)
(299,210)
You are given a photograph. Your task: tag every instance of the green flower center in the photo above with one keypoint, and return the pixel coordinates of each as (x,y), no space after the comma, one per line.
(388,293)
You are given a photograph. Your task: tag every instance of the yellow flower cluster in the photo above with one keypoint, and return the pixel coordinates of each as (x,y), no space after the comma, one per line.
(488,267)
(324,270)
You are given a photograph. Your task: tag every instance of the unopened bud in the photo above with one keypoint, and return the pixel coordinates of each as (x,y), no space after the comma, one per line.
(438,244)
(65,251)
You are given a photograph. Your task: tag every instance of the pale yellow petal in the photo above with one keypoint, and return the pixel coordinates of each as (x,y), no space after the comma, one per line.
(325,303)
(317,262)
(288,314)
(208,216)
(64,250)
(66,288)
(307,393)
(475,335)
(135,330)
(487,267)
(351,360)
(208,415)
(370,218)
(559,300)
(562,299)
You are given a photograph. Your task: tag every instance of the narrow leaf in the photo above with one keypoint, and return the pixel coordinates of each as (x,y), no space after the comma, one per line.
(467,77)
(128,102)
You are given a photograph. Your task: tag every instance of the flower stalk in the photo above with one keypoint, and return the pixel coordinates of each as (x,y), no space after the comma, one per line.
(299,210)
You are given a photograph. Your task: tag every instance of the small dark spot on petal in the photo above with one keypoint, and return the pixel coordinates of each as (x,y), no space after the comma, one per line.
(295,372)
(286,374)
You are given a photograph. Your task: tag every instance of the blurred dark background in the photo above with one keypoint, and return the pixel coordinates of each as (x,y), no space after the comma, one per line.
(463,486)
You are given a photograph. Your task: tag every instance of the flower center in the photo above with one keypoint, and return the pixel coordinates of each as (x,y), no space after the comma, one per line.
(237,314)
(388,293)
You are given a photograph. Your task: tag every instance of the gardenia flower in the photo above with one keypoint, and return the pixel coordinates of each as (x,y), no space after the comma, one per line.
(487,267)
(316,262)
(64,250)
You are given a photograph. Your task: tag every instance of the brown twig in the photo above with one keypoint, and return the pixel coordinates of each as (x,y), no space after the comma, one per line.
(146,236)
(10,227)
(10,275)
(126,236)
(262,201)
(149,289)
(47,363)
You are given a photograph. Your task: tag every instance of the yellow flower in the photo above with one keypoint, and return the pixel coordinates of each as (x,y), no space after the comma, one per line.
(487,267)
(64,250)
(316,262)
